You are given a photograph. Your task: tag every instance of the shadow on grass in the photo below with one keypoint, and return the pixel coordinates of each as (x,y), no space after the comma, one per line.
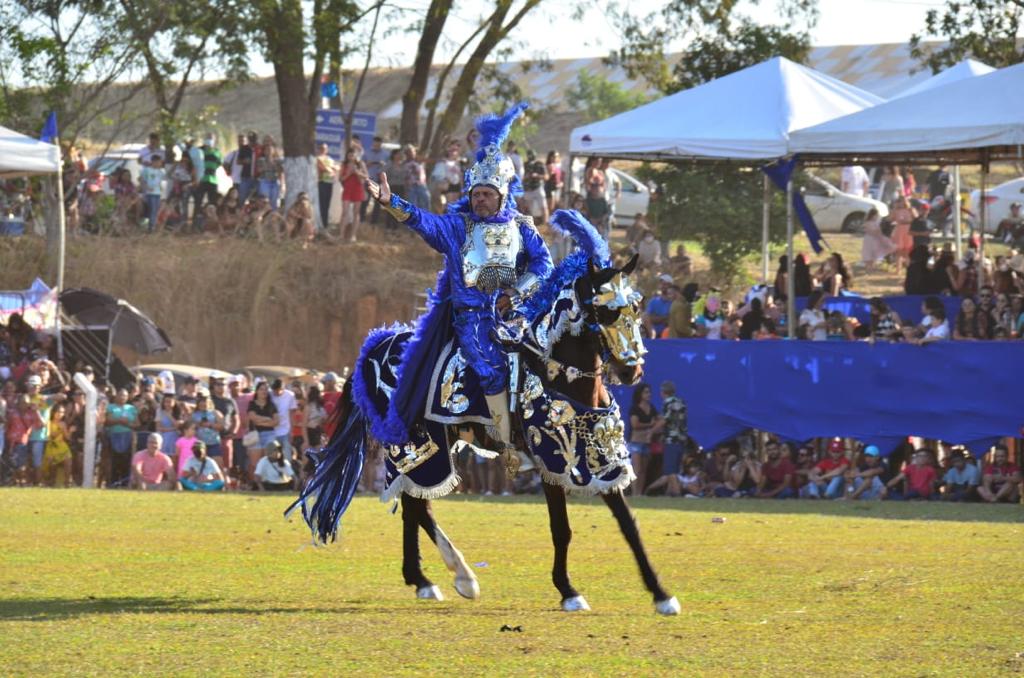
(51,609)
(882,510)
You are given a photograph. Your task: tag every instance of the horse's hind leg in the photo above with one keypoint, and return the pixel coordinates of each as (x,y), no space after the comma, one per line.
(561,535)
(466,583)
(412,510)
(663,602)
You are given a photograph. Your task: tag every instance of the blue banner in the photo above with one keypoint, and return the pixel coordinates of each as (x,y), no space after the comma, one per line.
(330,129)
(960,392)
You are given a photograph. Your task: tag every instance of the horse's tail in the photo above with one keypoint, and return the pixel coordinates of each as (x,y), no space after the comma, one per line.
(338,468)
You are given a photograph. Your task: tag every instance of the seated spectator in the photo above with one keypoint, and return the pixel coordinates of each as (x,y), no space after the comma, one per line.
(886,324)
(680,314)
(201,473)
(658,308)
(837,327)
(826,478)
(183,446)
(803,468)
(916,481)
(273,472)
(648,252)
(937,328)
(961,480)
(1001,480)
(776,474)
(966,320)
(709,315)
(744,477)
(716,467)
(690,483)
(680,264)
(868,480)
(151,468)
(812,319)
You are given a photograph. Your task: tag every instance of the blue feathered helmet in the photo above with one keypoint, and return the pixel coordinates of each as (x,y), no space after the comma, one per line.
(493,168)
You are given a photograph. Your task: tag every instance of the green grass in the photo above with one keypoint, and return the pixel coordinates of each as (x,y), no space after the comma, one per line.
(117,583)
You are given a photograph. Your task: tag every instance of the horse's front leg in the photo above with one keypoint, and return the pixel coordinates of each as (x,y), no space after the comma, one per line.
(663,602)
(466,583)
(413,510)
(561,536)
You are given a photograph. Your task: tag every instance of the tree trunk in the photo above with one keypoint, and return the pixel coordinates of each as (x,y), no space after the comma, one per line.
(413,98)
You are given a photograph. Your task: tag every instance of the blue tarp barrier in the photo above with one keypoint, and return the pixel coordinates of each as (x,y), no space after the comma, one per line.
(908,307)
(969,393)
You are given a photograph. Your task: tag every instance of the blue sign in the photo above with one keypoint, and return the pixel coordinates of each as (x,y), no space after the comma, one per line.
(330,129)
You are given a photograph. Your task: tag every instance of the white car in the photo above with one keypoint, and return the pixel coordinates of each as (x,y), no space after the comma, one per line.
(634,198)
(128,156)
(835,211)
(997,202)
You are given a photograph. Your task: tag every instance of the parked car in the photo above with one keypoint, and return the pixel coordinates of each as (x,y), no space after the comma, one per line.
(200,374)
(997,202)
(128,156)
(285,373)
(634,199)
(835,211)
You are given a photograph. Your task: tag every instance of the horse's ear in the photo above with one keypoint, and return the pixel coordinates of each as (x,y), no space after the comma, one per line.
(631,264)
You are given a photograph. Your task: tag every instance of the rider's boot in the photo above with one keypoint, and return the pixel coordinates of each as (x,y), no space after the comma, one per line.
(502,431)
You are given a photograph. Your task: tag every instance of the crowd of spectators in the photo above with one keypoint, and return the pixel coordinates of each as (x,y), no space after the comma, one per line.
(667,462)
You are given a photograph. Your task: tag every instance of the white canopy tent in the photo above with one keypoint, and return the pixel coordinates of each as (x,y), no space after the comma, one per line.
(21,155)
(968,68)
(747,116)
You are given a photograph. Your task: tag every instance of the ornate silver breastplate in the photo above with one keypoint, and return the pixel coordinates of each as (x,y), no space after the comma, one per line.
(489,255)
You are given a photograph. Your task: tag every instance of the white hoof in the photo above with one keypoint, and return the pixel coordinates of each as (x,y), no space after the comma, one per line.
(431,592)
(467,587)
(668,607)
(575,604)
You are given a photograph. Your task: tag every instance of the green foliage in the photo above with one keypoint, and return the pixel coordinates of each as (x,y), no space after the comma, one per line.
(986,30)
(597,98)
(719,206)
(119,583)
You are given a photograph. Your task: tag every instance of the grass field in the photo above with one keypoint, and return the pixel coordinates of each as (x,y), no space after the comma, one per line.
(117,583)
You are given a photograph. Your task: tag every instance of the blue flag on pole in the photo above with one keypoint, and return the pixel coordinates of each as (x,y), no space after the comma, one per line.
(49,133)
(779,173)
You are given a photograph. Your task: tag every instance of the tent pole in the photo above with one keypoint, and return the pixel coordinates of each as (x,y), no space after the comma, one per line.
(957,226)
(62,232)
(981,226)
(765,221)
(790,279)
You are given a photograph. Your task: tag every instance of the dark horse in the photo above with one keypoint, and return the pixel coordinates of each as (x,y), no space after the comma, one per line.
(579,329)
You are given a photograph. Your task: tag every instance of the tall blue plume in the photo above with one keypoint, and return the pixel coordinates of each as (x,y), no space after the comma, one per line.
(571,222)
(494,128)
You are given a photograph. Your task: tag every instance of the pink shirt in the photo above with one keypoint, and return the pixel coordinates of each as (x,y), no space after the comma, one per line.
(153,466)
(242,404)
(184,449)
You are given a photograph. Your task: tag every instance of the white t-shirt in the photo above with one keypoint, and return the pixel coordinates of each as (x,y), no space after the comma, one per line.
(810,317)
(272,473)
(853,181)
(194,464)
(285,404)
(937,333)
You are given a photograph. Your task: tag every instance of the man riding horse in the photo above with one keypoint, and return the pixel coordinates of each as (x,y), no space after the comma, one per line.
(494,259)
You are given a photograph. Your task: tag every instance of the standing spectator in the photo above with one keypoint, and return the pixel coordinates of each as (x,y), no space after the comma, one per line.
(121,420)
(826,478)
(326,172)
(917,480)
(555,180)
(209,425)
(40,433)
(892,185)
(331,396)
(776,474)
(353,177)
(146,406)
(152,178)
(415,179)
(298,421)
(264,419)
(656,315)
(801,277)
(285,404)
(202,473)
(376,158)
(918,278)
(1001,480)
(224,404)
(812,321)
(150,149)
(512,151)
(854,180)
(241,162)
(151,468)
(613,189)
(939,183)
(876,245)
(674,436)
(961,480)
(446,177)
(944,276)
(396,177)
(180,177)
(168,423)
(780,285)
(22,418)
(316,417)
(595,184)
(128,205)
(241,397)
(273,472)
(270,171)
(902,214)
(207,190)
(189,395)
(868,480)
(833,275)
(535,202)
(644,422)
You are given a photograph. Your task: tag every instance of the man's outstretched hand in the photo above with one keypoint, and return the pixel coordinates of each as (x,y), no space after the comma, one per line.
(381,192)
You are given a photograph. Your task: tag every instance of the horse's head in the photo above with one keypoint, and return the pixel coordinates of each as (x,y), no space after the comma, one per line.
(614,307)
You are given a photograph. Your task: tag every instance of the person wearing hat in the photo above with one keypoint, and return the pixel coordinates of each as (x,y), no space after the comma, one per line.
(826,478)
(331,395)
(494,259)
(201,474)
(868,479)
(273,472)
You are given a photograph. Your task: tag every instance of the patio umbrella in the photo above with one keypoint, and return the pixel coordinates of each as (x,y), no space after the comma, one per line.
(129,327)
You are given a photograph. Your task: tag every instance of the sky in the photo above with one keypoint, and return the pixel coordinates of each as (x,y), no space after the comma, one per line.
(545,32)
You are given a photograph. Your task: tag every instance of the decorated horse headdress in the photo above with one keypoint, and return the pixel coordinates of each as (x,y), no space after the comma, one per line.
(492,167)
